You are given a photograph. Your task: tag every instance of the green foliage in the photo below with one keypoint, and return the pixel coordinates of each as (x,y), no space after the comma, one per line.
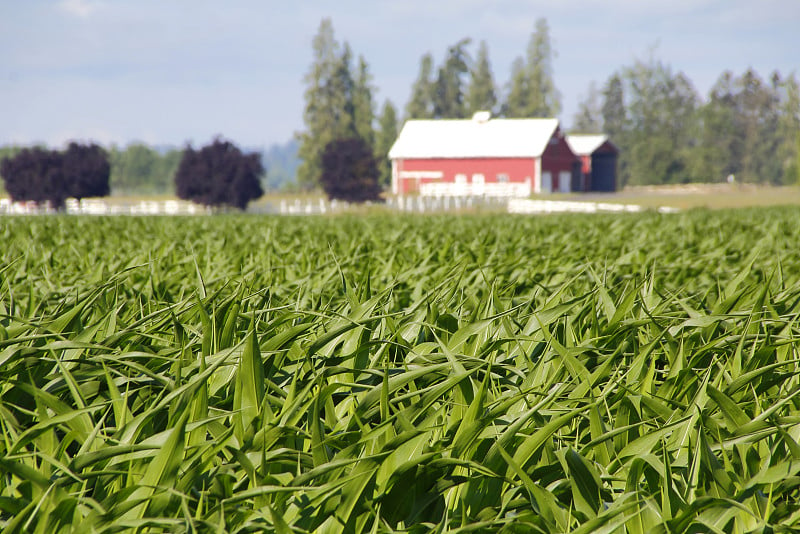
(518,97)
(666,134)
(349,171)
(589,117)
(281,163)
(219,175)
(531,90)
(420,105)
(52,176)
(660,114)
(8,151)
(139,169)
(338,103)
(363,107)
(385,137)
(547,374)
(545,100)
(450,85)
(481,94)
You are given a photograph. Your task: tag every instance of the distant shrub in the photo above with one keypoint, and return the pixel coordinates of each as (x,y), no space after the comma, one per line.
(349,171)
(219,174)
(43,175)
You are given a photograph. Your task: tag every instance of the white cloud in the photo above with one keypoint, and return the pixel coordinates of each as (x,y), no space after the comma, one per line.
(80,8)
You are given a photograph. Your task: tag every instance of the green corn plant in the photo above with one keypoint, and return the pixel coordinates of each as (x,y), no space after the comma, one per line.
(592,373)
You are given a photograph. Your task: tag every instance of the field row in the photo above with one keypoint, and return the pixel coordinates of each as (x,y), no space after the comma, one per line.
(352,374)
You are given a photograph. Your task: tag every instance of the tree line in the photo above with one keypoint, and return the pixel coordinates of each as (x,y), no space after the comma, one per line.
(141,169)
(746,127)
(218,175)
(136,169)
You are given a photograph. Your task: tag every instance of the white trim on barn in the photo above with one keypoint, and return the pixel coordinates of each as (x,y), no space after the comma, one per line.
(584,145)
(421,174)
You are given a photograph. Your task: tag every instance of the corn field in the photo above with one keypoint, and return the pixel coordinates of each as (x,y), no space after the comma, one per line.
(590,373)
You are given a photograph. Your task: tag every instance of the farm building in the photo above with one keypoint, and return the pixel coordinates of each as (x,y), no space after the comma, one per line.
(484,157)
(598,158)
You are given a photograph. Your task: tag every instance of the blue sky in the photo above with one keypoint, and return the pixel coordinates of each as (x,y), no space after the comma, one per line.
(172,71)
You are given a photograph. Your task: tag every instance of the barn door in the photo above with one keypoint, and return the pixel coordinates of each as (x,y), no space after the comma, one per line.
(564,179)
(547,182)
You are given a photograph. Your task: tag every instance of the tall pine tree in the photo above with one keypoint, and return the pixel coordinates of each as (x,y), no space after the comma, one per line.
(516,104)
(589,118)
(545,100)
(716,134)
(481,95)
(448,97)
(363,107)
(384,139)
(420,106)
(531,90)
(789,130)
(338,103)
(613,110)
(323,106)
(661,112)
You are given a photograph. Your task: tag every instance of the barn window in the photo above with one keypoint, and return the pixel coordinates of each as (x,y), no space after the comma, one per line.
(477,178)
(461,178)
(502,178)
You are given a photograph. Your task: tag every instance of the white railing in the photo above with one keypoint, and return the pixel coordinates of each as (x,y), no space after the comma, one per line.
(520,205)
(409,204)
(491,189)
(97,206)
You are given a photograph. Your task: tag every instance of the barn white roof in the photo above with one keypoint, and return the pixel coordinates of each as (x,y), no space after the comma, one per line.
(473,138)
(583,145)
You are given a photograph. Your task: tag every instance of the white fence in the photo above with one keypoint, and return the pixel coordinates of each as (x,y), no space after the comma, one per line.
(522,205)
(415,204)
(96,206)
(492,189)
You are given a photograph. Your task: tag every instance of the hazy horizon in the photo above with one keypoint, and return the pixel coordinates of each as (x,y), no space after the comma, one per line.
(168,74)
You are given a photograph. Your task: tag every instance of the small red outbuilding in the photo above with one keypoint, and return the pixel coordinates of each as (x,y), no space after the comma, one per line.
(598,161)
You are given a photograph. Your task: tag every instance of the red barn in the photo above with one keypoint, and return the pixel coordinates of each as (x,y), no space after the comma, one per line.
(483,156)
(598,161)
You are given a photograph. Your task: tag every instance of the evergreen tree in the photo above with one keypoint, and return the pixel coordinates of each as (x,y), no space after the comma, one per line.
(544,99)
(420,106)
(615,119)
(589,118)
(613,110)
(481,95)
(342,93)
(716,135)
(531,89)
(328,110)
(338,103)
(448,98)
(749,128)
(661,114)
(385,138)
(363,108)
(517,101)
(789,130)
